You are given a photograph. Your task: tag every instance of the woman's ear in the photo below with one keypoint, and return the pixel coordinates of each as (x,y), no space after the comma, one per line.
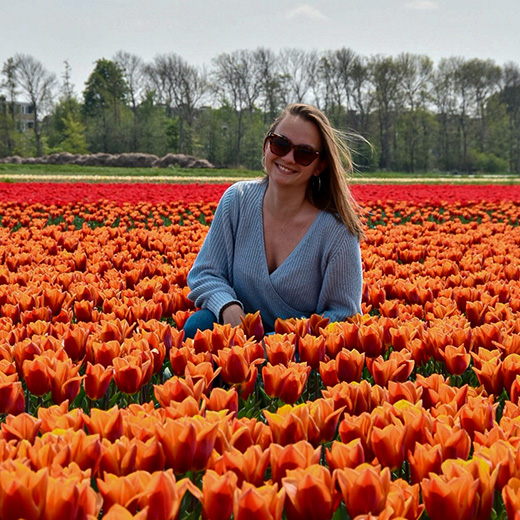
(321,166)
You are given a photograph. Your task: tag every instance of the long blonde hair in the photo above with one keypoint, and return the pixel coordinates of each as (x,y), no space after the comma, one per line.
(333,194)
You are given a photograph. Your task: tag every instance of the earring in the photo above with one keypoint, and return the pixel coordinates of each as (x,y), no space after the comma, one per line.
(317,183)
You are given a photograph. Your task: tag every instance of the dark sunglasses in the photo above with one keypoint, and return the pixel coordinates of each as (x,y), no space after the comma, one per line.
(280,145)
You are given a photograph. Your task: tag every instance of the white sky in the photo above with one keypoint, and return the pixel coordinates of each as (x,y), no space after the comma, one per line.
(83,31)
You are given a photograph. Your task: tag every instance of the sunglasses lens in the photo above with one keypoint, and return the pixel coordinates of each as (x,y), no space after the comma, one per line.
(304,156)
(279,145)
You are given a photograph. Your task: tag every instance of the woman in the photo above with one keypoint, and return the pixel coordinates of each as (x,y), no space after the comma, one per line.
(288,244)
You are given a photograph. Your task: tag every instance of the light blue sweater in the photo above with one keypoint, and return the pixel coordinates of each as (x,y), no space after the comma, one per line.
(322,275)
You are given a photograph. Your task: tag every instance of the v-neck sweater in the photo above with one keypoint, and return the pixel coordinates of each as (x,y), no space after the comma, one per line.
(322,275)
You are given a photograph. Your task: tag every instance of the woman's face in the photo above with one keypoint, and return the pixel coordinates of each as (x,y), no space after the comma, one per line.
(284,169)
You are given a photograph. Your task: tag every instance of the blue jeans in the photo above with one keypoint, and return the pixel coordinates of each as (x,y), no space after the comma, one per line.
(199,320)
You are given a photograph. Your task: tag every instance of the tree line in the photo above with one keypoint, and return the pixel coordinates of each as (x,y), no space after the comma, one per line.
(402,113)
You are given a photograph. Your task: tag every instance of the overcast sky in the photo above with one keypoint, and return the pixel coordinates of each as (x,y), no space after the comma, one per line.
(83,31)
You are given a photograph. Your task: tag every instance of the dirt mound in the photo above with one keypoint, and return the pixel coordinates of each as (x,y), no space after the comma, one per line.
(123,160)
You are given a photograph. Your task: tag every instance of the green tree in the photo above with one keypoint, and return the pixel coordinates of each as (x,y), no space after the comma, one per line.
(105,109)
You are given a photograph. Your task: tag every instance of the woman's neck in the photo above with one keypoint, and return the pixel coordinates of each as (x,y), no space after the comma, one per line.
(285,201)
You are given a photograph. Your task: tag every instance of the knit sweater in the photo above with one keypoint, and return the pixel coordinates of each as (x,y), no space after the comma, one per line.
(322,275)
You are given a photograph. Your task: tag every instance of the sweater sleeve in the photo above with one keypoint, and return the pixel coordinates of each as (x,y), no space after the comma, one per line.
(211,277)
(341,291)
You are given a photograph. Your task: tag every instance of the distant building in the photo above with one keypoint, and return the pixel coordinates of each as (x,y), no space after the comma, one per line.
(23,113)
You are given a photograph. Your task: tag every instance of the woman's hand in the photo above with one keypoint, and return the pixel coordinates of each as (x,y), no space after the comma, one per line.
(232,315)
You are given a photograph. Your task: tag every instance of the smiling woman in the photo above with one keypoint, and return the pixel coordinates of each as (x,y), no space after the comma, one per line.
(286,245)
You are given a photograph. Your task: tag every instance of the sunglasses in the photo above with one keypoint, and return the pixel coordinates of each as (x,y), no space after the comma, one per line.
(281,145)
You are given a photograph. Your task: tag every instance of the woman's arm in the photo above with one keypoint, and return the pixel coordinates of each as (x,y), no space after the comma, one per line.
(211,277)
(342,287)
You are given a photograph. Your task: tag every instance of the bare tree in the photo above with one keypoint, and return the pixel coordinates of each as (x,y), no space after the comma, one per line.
(133,72)
(444,99)
(237,82)
(362,95)
(485,76)
(268,70)
(181,87)
(299,73)
(37,84)
(385,76)
(415,80)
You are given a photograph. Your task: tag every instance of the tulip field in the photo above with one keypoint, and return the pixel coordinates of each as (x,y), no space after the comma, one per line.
(409,410)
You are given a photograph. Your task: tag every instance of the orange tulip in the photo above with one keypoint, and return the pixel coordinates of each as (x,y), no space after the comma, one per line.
(12,399)
(397,367)
(97,380)
(356,397)
(298,455)
(58,417)
(22,492)
(388,444)
(36,375)
(203,371)
(450,498)
(217,495)
(510,370)
(511,497)
(131,373)
(457,359)
(490,375)
(243,433)
(481,471)
(312,350)
(104,352)
(84,311)
(20,427)
(179,357)
(455,442)
(403,500)
(118,457)
(258,503)
(75,342)
(118,512)
(287,383)
(349,365)
(124,490)
(315,422)
(162,495)
(280,348)
(65,381)
(253,326)
(249,466)
(328,373)
(363,489)
(341,455)
(235,366)
(187,443)
(370,341)
(187,408)
(310,493)
(407,391)
(71,498)
(424,460)
(477,415)
(221,399)
(108,424)
(286,426)
(178,389)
